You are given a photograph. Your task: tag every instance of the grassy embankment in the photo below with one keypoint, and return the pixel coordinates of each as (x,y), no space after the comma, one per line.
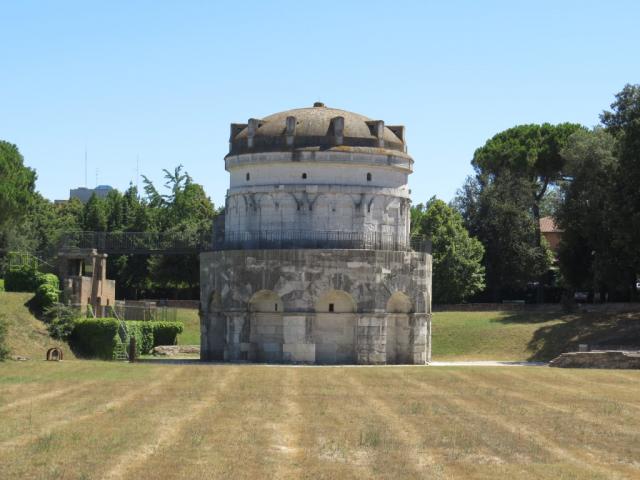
(92,420)
(26,335)
(524,335)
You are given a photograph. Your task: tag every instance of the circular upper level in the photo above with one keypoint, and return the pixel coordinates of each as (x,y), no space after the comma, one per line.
(316,128)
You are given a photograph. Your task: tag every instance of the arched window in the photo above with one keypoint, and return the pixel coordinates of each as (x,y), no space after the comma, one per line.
(368,177)
(265,301)
(336,301)
(304,176)
(248,176)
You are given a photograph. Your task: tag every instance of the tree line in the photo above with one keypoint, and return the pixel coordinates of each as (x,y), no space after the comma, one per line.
(487,244)
(587,179)
(31,223)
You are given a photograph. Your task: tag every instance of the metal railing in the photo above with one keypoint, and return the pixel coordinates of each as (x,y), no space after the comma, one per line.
(289,239)
(131,243)
(27,259)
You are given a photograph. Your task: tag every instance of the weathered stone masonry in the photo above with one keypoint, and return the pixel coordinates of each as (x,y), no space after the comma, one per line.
(326,174)
(274,306)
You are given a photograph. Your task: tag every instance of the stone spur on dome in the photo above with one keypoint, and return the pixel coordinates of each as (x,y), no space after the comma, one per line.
(313,261)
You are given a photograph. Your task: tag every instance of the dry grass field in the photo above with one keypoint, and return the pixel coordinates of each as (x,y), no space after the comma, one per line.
(92,420)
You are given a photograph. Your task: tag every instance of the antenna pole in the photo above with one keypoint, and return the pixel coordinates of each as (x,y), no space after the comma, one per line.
(85,166)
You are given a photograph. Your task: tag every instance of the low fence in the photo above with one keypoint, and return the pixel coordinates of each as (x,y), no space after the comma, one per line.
(166,302)
(148,311)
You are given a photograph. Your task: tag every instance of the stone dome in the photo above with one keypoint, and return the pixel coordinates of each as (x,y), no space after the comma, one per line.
(315,128)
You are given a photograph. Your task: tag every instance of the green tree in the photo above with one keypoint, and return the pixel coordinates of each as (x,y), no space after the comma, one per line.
(623,122)
(187,212)
(96,215)
(40,230)
(585,215)
(457,257)
(498,213)
(530,153)
(17,187)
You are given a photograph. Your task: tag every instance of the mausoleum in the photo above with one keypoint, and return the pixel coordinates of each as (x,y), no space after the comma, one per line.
(312,261)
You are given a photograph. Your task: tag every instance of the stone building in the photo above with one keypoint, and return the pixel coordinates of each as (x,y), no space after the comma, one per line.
(313,261)
(83,280)
(84,194)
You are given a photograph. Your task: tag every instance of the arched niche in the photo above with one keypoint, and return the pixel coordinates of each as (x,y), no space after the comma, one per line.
(399,303)
(266,301)
(336,301)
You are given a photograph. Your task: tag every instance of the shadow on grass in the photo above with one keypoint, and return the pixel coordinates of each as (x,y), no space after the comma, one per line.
(563,333)
(529,317)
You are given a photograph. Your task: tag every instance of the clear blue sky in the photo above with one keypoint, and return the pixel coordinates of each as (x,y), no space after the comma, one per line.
(162,80)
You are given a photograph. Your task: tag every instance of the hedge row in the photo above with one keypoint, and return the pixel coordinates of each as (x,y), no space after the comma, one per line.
(28,279)
(46,286)
(98,337)
(95,338)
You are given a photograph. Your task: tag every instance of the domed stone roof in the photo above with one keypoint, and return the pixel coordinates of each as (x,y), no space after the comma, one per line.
(316,127)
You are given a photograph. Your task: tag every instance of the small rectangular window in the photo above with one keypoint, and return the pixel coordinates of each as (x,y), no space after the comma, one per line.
(276,307)
(331,308)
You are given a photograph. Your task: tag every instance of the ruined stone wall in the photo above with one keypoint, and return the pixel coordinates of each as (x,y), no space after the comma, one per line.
(316,306)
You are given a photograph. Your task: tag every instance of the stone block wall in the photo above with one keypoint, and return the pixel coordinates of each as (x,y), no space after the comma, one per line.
(316,306)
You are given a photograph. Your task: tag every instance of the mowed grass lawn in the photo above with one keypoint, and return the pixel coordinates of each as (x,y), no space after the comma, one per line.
(539,336)
(191,320)
(488,335)
(93,420)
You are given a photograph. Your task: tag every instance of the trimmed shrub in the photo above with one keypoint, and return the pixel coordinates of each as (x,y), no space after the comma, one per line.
(48,279)
(46,296)
(142,331)
(166,333)
(98,337)
(61,320)
(26,279)
(23,279)
(149,334)
(95,337)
